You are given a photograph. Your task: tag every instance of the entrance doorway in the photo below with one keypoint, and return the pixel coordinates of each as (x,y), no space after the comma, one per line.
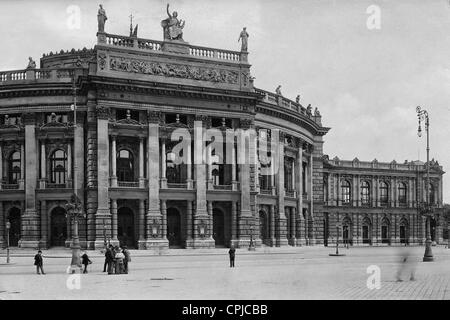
(403,234)
(366,236)
(14,231)
(173,228)
(58,227)
(219,228)
(384,234)
(262,226)
(125,227)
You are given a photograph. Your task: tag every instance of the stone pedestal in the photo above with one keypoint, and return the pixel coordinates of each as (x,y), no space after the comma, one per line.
(30,229)
(175,46)
(155,239)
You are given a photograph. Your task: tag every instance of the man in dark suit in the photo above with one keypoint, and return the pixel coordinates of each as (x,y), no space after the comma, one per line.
(109,259)
(39,262)
(232,252)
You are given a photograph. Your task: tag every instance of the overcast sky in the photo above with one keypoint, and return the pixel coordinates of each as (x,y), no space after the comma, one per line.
(366,82)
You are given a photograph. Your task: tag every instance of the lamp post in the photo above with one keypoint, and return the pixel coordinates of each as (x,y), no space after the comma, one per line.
(8,226)
(74,212)
(104,234)
(426,209)
(337,254)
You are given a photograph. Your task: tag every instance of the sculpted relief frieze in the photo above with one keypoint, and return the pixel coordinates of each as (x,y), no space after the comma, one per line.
(173,70)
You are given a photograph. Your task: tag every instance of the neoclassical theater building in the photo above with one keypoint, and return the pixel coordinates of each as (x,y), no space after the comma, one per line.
(100,123)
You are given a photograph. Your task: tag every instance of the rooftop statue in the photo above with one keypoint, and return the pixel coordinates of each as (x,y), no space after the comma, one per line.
(278,90)
(297,99)
(172,27)
(101,16)
(31,63)
(316,112)
(244,36)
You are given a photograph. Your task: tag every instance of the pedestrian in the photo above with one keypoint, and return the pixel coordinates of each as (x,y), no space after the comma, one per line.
(109,258)
(232,253)
(119,257)
(406,266)
(127,258)
(39,262)
(85,261)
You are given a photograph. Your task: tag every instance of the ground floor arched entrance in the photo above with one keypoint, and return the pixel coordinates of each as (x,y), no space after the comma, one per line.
(58,227)
(125,227)
(174,228)
(366,231)
(14,231)
(219,228)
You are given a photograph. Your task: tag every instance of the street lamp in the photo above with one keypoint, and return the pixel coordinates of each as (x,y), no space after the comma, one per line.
(8,226)
(426,209)
(74,212)
(337,254)
(104,233)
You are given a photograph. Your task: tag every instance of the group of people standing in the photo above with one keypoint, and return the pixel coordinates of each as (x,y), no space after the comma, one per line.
(116,260)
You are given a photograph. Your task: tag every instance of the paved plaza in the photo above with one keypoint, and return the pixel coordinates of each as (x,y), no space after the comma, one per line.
(267,273)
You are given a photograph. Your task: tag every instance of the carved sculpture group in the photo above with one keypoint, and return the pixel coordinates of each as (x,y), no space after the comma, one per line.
(173,70)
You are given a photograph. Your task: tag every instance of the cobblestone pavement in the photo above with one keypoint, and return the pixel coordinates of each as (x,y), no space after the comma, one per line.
(296,273)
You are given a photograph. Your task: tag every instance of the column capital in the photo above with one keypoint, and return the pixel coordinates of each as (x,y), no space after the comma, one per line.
(102,112)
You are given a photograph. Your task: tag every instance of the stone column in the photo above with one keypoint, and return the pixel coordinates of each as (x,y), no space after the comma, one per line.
(163,165)
(211,221)
(300,231)
(189,166)
(272,225)
(3,239)
(280,221)
(43,180)
(358,190)
(69,165)
(233,167)
(200,218)
(103,214)
(1,166)
(338,187)
(311,229)
(164,218)
(189,224)
(141,163)
(114,220)
(293,175)
(233,223)
(113,162)
(293,240)
(22,167)
(141,242)
(30,218)
(374,192)
(154,217)
(43,243)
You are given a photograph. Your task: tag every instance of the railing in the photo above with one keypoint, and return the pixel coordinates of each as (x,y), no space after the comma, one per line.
(290,193)
(177,185)
(283,102)
(222,187)
(267,192)
(154,45)
(128,184)
(10,186)
(49,185)
(61,74)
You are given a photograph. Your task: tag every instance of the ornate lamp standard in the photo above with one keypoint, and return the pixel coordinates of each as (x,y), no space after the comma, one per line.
(8,226)
(74,212)
(426,208)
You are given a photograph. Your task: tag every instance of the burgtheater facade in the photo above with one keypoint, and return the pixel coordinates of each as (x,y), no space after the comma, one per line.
(106,123)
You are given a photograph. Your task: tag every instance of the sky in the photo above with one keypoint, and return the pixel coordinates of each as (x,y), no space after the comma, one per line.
(366,64)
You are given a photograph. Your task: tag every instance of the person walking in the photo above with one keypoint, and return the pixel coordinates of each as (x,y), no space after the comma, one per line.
(39,262)
(109,259)
(85,261)
(127,259)
(119,257)
(232,253)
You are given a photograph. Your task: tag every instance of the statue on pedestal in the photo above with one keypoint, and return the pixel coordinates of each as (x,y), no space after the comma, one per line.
(101,16)
(244,36)
(172,27)
(316,112)
(31,63)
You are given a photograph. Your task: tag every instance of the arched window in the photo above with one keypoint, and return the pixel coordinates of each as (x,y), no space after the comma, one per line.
(384,192)
(345,192)
(58,167)
(125,166)
(216,176)
(14,168)
(365,193)
(402,193)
